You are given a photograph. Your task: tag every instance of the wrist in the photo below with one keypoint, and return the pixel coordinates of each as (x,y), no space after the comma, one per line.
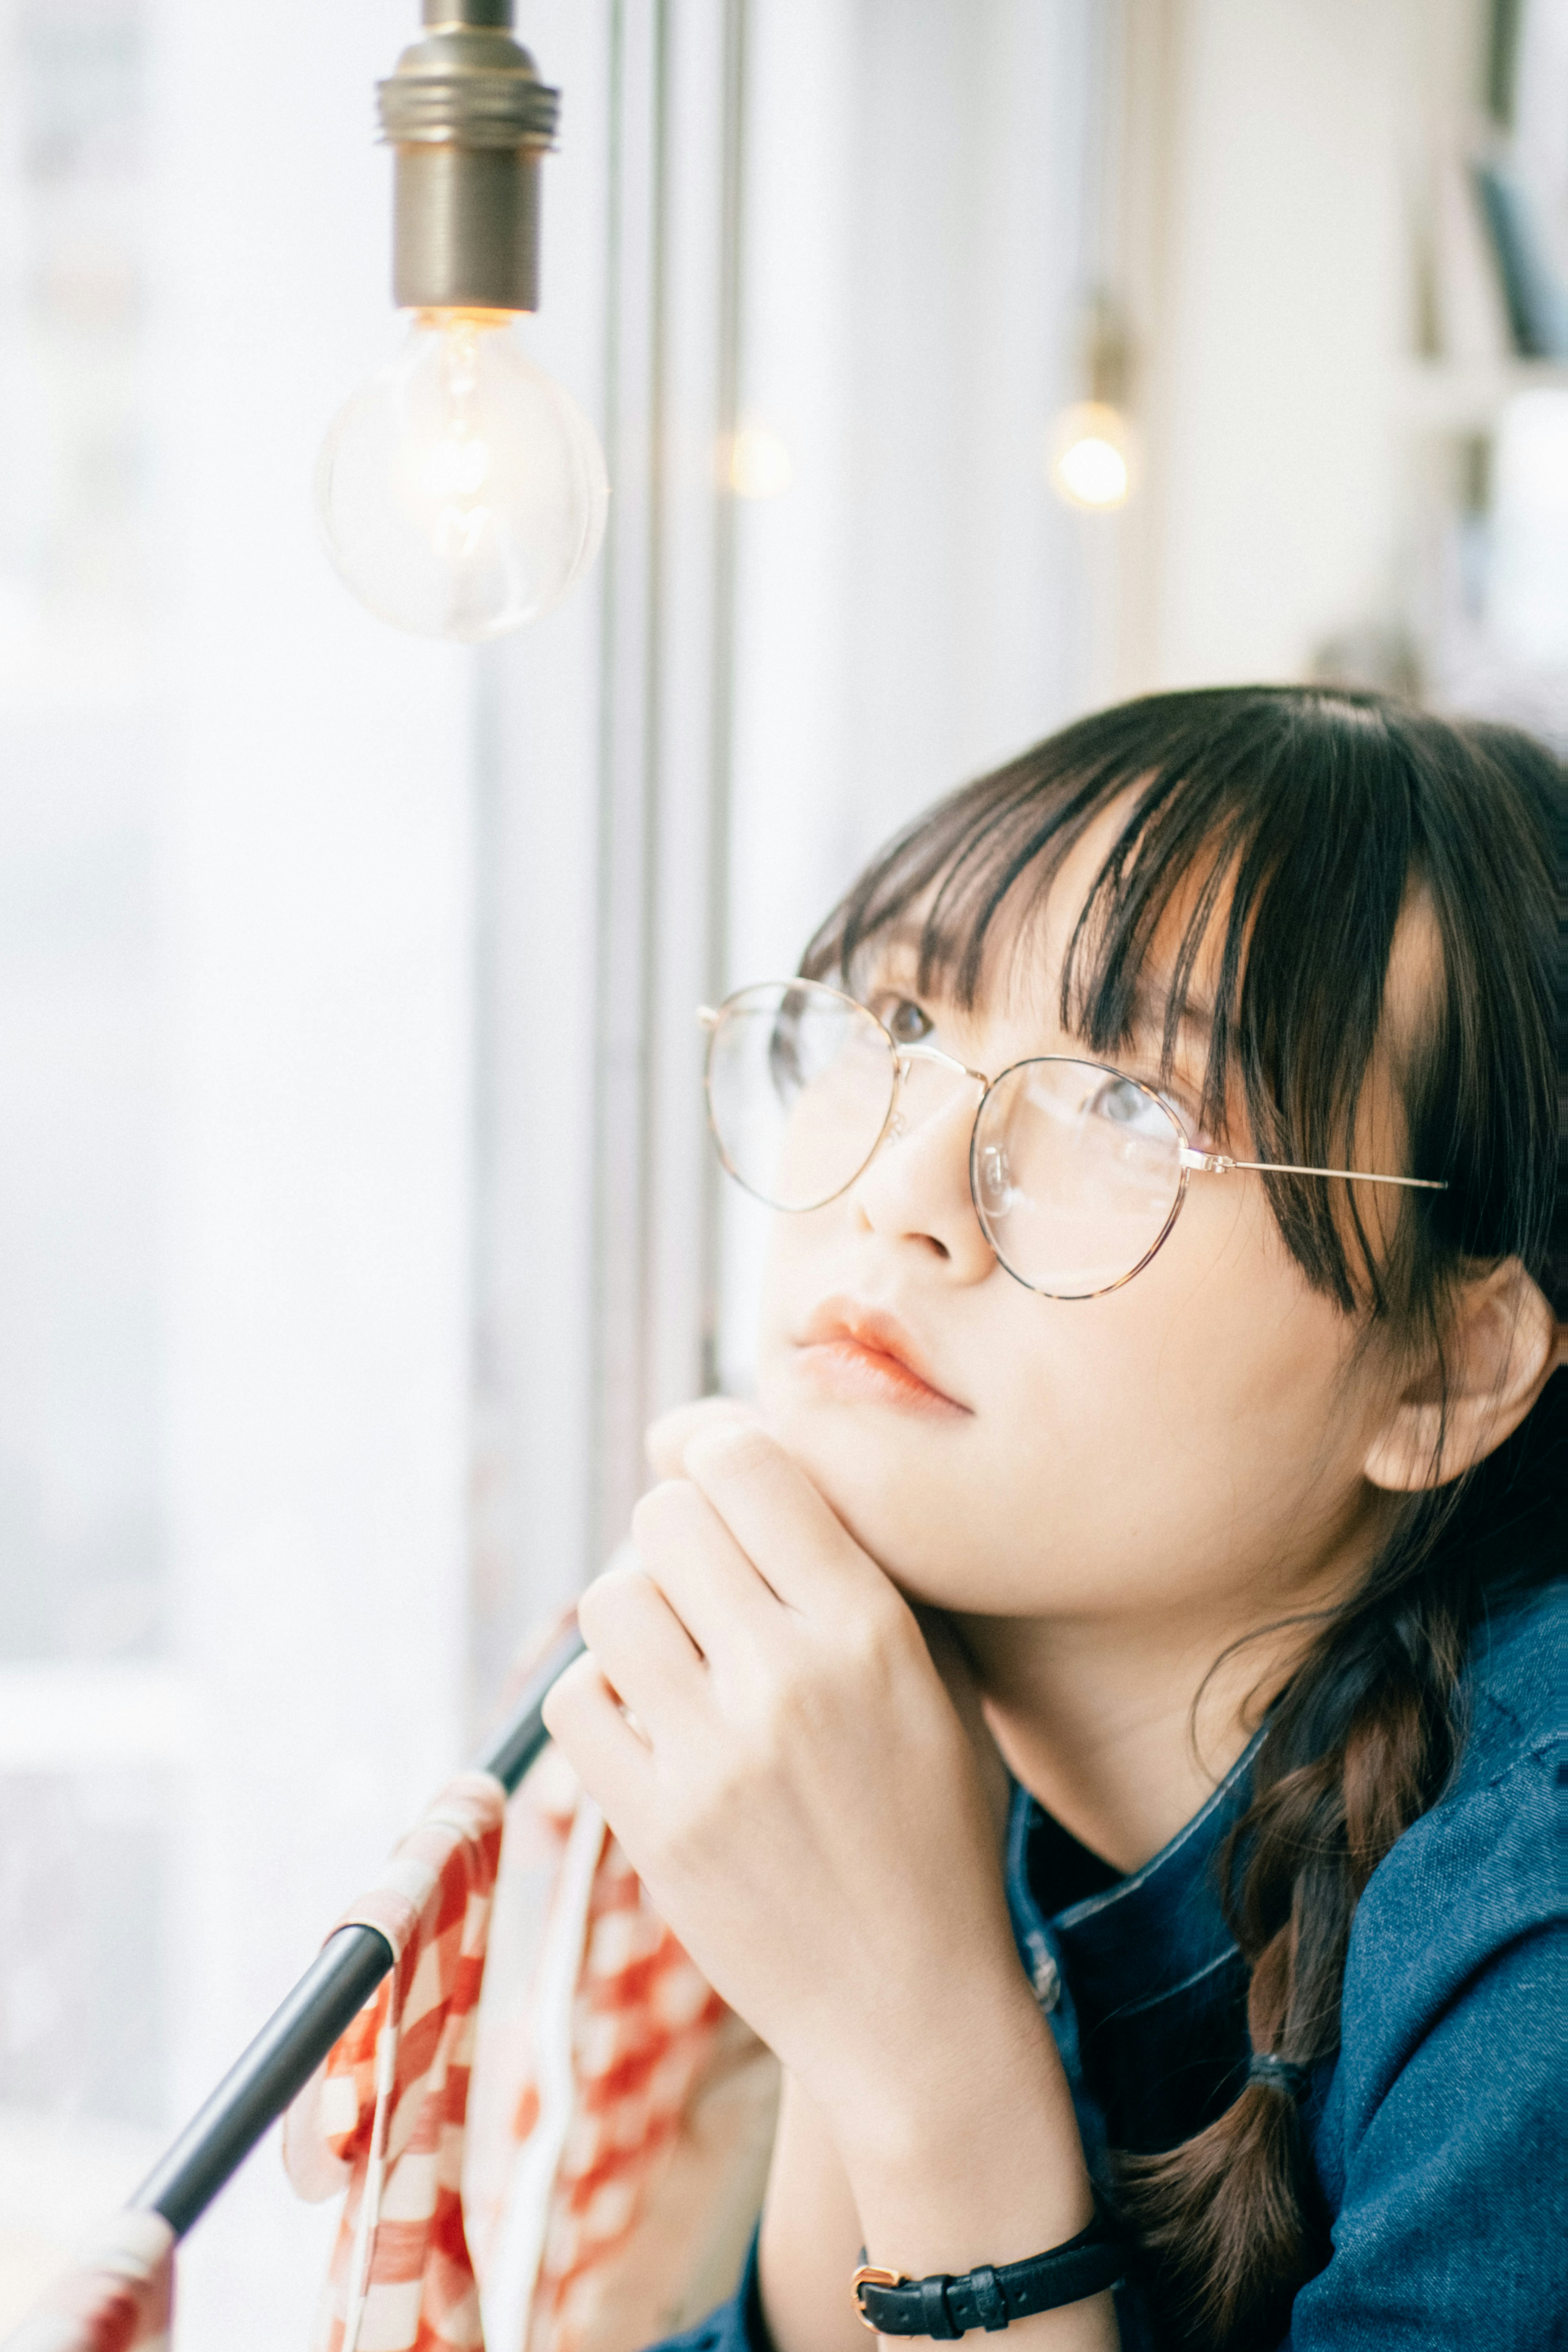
(928,2074)
(967,2151)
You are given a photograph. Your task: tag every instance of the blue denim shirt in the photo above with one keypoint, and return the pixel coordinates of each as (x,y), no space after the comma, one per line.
(1436,2132)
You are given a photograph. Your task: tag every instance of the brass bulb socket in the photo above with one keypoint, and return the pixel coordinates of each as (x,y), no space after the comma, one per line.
(468,118)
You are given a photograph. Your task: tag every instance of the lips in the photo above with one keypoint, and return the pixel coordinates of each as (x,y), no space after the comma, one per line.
(864,1351)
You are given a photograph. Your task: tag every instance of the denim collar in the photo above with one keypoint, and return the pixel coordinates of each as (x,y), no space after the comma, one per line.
(1153,1933)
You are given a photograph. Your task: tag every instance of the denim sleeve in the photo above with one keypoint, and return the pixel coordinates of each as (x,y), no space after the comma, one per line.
(1453,2228)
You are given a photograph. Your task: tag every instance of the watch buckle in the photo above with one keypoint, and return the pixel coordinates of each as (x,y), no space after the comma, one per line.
(869,2275)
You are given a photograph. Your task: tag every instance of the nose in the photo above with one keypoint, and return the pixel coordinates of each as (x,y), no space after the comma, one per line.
(915,1191)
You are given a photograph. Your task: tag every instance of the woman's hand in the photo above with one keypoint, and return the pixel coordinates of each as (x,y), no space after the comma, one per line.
(668,1440)
(760,1718)
(798,1792)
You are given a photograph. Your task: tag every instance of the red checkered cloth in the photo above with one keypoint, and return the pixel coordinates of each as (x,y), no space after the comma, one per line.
(117,2299)
(589,2143)
(641,2124)
(384,2117)
(624,2113)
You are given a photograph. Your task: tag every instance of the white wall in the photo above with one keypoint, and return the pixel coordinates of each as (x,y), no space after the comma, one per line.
(908,609)
(1286,326)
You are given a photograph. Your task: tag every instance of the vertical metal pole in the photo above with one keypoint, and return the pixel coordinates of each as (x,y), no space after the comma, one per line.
(629,779)
(722,742)
(675,340)
(491,1550)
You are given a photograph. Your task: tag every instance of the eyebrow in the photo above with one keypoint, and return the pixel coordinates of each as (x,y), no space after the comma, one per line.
(902,937)
(1151,1010)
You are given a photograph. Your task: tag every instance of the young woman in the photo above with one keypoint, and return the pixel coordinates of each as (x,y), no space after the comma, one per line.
(1095,1719)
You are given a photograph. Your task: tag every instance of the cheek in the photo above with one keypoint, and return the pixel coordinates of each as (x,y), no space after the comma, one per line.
(1211,1425)
(793,1280)
(1216,1362)
(1257,1346)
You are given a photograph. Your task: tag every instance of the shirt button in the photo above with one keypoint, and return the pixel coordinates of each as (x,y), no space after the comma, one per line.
(1046,1982)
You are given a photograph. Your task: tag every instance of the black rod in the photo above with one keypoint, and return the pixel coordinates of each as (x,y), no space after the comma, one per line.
(332,1992)
(515,1747)
(274,2070)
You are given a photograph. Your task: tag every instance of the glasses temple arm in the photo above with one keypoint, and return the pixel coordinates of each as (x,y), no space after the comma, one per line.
(1219,1163)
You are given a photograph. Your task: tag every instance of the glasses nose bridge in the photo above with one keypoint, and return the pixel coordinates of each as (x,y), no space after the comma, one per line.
(933,1054)
(909,1060)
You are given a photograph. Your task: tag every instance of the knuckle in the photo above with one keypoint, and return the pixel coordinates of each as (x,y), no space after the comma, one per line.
(563,1700)
(669,1436)
(728,1797)
(690,1824)
(872,1634)
(790,1706)
(785,1708)
(665,1514)
(880,1646)
(664,1438)
(733,1447)
(590,1621)
(606,1600)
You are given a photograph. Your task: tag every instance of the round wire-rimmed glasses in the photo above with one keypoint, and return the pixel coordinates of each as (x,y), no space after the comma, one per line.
(1077,1172)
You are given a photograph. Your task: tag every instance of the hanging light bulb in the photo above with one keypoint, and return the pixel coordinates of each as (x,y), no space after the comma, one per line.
(1091,460)
(461,490)
(756,463)
(1089,468)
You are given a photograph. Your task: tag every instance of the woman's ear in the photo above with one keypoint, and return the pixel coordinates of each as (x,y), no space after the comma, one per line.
(1500,1347)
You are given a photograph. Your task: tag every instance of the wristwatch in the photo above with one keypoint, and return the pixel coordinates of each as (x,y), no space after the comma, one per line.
(945,2306)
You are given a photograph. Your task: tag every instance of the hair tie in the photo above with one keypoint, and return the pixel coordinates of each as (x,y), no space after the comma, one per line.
(1280,2074)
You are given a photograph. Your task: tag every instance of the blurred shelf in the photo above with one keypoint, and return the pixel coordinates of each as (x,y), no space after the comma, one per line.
(1465,396)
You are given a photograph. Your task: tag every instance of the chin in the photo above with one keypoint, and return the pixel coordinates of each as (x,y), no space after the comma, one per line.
(871,1478)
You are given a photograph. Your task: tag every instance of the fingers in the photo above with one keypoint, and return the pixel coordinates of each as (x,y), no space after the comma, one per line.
(668,1437)
(738,1527)
(640,1646)
(717,1593)
(583,1716)
(778,1519)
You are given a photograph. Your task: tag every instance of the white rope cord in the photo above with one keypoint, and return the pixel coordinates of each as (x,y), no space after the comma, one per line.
(375,2170)
(506,2292)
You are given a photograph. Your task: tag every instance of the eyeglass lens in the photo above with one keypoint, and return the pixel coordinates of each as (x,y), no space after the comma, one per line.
(1076,1172)
(800,1083)
(1076,1169)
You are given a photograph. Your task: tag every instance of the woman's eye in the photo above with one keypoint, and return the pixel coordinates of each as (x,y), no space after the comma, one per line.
(1124,1104)
(904,1021)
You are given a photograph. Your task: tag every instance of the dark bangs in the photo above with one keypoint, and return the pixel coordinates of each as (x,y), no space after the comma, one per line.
(1290,826)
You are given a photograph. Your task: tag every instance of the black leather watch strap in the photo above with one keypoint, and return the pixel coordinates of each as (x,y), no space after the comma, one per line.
(945,2306)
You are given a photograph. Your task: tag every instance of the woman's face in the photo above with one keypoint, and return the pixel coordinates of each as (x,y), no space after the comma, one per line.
(1191,1442)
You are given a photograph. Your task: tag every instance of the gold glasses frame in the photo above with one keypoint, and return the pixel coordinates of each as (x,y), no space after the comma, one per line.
(1192,1162)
